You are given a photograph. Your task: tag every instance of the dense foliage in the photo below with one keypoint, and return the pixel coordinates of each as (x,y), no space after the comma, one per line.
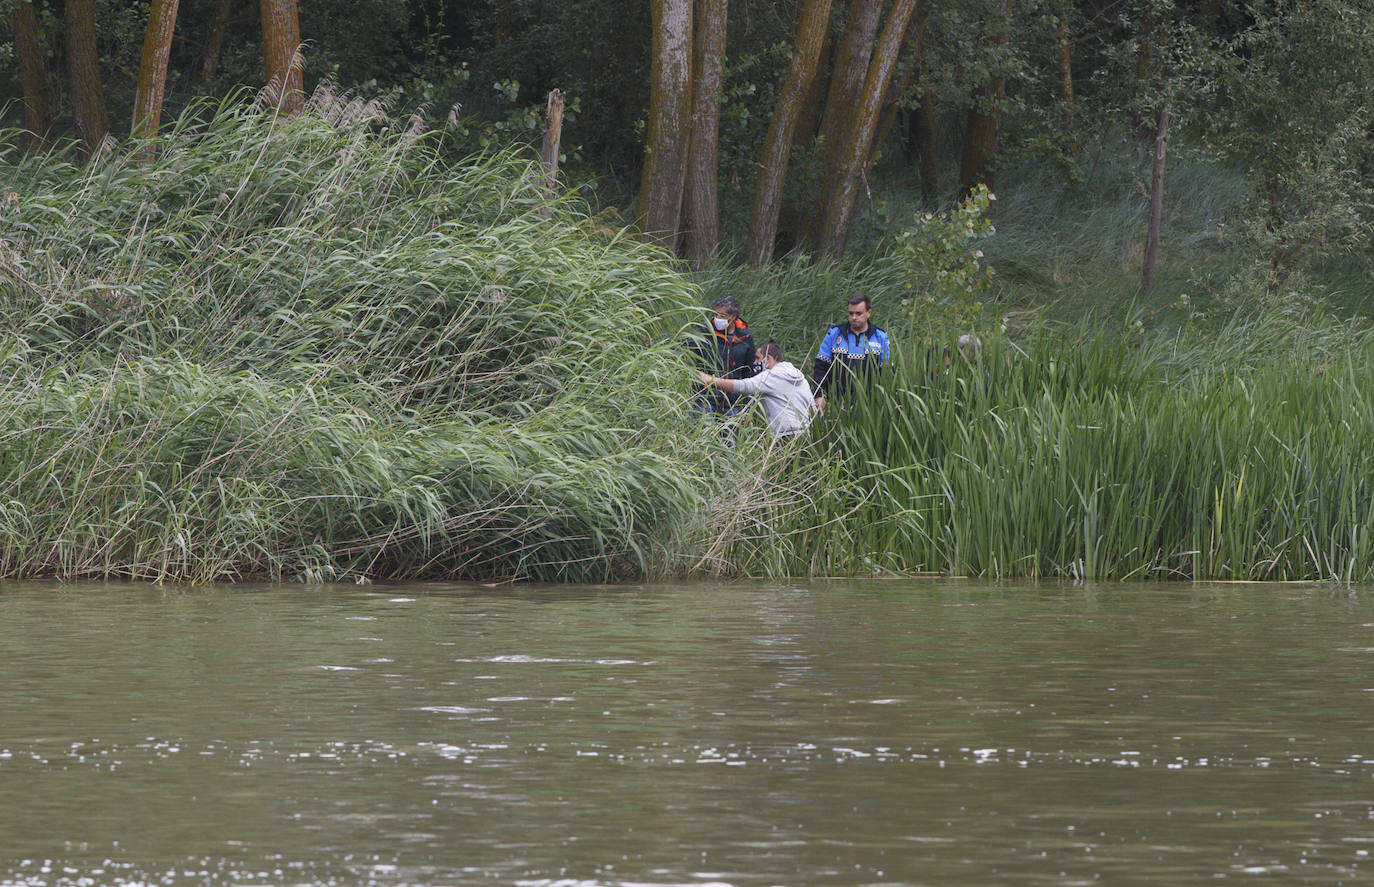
(370,342)
(312,349)
(1105,461)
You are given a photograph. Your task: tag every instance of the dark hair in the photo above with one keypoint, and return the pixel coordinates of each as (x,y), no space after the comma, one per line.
(771,349)
(728,304)
(860,297)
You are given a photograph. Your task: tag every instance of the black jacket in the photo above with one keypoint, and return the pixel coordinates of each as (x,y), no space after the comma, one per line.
(727,356)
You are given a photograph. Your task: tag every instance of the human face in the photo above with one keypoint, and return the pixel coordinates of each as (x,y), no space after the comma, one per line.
(768,362)
(722,320)
(858,317)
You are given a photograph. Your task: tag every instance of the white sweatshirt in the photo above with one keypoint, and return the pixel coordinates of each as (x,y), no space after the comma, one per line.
(788,404)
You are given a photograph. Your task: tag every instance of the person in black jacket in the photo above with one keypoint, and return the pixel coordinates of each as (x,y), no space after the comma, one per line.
(727,353)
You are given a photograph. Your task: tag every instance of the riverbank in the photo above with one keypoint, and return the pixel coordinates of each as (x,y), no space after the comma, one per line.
(313,350)
(321,350)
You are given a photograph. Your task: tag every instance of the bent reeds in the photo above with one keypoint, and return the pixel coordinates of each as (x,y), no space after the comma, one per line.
(317,349)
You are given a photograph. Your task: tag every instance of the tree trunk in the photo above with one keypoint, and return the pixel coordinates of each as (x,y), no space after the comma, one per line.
(985,119)
(88,99)
(214,42)
(852,58)
(670,106)
(282,62)
(923,135)
(553,137)
(858,136)
(701,214)
(812,21)
(152,68)
(1147,269)
(1066,79)
(36,118)
(896,88)
(795,211)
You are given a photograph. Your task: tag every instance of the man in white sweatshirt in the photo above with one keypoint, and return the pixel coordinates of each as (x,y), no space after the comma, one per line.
(788,404)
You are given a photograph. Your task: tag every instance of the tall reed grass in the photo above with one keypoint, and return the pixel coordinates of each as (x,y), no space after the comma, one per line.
(321,349)
(1097,462)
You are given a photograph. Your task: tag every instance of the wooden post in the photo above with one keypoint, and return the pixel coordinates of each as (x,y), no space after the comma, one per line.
(553,135)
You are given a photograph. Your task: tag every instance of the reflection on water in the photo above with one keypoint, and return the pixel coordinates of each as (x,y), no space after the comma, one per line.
(876,732)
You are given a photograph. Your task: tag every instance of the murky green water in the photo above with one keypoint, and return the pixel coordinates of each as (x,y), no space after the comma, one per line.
(885,732)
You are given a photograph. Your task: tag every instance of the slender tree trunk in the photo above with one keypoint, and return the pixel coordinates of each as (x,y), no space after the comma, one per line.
(862,21)
(35,80)
(282,62)
(897,87)
(812,22)
(858,137)
(88,99)
(923,134)
(553,137)
(985,119)
(701,214)
(795,211)
(214,42)
(670,108)
(1066,79)
(1147,269)
(1284,253)
(152,69)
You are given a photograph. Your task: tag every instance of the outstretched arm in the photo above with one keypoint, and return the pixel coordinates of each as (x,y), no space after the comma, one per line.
(749,386)
(726,385)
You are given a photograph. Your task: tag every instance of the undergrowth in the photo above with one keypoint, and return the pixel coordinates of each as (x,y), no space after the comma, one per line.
(320,349)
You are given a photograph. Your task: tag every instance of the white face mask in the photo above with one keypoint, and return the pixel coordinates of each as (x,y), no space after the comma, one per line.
(720,323)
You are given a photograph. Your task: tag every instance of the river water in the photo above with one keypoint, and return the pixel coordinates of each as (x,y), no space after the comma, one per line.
(913,732)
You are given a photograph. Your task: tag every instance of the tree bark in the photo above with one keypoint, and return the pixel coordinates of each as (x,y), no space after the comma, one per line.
(36,118)
(897,87)
(214,42)
(812,22)
(858,136)
(794,214)
(553,137)
(670,89)
(282,62)
(88,99)
(700,211)
(852,57)
(1147,268)
(152,68)
(985,119)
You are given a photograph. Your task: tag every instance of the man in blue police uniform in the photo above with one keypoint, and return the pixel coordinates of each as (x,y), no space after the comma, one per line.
(848,349)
